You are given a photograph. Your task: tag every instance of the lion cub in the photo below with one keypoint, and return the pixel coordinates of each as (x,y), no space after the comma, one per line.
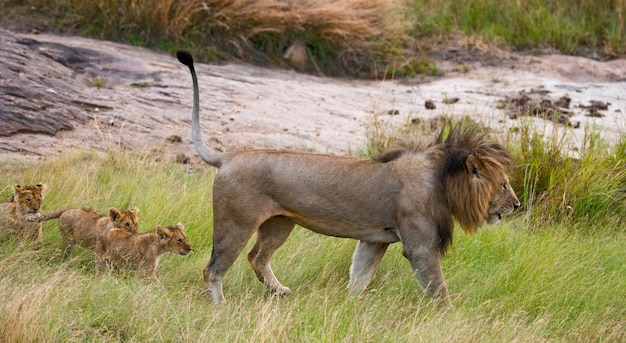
(14,215)
(82,226)
(118,248)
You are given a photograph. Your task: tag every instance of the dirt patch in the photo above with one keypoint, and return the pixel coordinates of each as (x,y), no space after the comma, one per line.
(60,93)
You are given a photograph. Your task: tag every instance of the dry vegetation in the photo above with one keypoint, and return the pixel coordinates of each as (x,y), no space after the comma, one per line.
(377,38)
(347,37)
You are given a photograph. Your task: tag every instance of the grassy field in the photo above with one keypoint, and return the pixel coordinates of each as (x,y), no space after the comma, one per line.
(554,272)
(366,38)
(528,279)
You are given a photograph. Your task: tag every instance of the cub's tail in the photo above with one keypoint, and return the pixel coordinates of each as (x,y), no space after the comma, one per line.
(50,215)
(210,157)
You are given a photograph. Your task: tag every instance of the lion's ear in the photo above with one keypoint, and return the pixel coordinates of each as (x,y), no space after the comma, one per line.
(163,232)
(114,214)
(473,165)
(40,188)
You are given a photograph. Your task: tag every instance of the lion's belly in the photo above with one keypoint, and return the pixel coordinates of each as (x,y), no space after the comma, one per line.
(347,230)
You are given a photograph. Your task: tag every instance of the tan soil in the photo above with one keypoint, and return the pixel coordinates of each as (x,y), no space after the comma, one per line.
(51,102)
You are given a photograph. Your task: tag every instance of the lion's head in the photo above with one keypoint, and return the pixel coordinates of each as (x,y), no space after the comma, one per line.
(124,219)
(174,240)
(473,175)
(28,198)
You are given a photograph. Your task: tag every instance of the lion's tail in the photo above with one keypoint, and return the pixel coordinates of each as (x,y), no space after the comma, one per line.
(52,215)
(210,157)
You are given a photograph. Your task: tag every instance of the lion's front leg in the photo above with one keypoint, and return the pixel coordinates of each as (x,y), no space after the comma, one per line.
(420,247)
(366,257)
(427,269)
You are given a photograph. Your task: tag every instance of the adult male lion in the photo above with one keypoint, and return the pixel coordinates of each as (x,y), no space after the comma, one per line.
(410,194)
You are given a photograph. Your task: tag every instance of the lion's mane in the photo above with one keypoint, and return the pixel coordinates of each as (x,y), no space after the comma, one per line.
(465,193)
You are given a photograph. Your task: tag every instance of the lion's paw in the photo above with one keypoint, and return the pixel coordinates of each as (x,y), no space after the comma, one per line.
(281,292)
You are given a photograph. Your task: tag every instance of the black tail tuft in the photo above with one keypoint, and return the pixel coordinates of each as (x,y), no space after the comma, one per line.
(185,58)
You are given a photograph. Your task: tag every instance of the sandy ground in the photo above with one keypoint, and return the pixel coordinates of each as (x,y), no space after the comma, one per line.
(146,99)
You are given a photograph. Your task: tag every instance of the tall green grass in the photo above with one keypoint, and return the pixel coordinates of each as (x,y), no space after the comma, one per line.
(571,27)
(509,282)
(342,37)
(560,185)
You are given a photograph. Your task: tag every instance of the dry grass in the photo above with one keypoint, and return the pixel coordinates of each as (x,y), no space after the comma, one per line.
(342,37)
(377,38)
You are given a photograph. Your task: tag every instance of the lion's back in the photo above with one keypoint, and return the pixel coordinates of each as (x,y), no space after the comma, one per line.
(81,225)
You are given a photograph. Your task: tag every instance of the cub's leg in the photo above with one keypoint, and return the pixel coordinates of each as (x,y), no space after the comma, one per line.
(230,236)
(366,257)
(147,270)
(67,246)
(67,236)
(270,236)
(34,232)
(99,258)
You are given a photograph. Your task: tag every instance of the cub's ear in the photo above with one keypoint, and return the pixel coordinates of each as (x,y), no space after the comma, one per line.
(134,211)
(17,188)
(40,188)
(473,165)
(114,214)
(163,232)
(180,226)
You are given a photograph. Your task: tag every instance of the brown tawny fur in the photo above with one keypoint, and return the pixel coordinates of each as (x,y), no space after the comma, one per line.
(17,214)
(81,226)
(122,249)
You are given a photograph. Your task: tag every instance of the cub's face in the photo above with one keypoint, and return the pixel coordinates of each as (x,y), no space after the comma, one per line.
(28,198)
(124,219)
(173,237)
(503,203)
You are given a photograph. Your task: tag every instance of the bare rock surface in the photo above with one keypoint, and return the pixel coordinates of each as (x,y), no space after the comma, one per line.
(59,93)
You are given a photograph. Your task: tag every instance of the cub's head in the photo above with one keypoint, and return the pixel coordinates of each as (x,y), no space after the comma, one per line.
(124,219)
(28,198)
(174,240)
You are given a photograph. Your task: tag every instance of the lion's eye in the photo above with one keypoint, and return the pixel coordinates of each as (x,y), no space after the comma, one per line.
(128,225)
(180,240)
(504,186)
(29,200)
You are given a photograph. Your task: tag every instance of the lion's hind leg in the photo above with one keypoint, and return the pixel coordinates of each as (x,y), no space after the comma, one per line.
(229,239)
(270,236)
(366,257)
